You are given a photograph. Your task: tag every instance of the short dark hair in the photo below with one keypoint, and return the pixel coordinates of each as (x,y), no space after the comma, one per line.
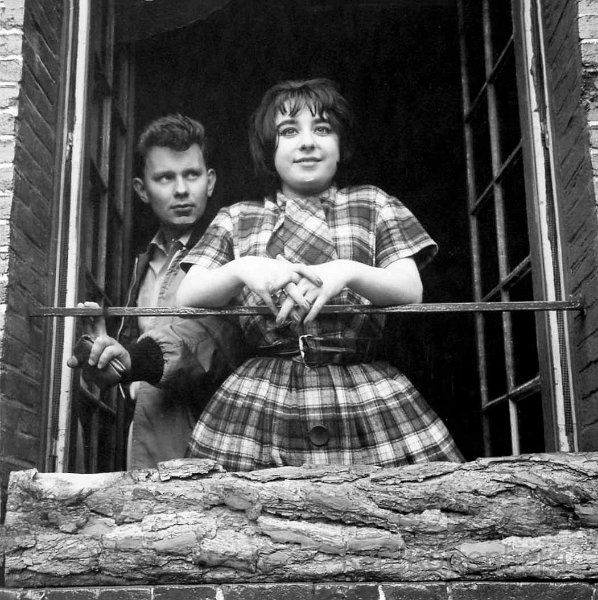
(321,96)
(174,131)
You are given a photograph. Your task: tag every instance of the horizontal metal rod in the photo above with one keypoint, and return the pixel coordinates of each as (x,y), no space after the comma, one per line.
(166,311)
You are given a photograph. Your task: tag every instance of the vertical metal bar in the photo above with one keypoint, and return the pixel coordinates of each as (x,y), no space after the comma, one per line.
(473,225)
(499,214)
(106,126)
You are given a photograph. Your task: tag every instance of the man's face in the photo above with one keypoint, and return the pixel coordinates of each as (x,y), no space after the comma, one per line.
(176,185)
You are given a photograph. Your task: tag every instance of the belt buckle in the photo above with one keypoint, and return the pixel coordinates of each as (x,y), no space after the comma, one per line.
(304,348)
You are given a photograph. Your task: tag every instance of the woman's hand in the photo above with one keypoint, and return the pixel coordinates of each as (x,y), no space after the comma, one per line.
(398,283)
(267,277)
(335,276)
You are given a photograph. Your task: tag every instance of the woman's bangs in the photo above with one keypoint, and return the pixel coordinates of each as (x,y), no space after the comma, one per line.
(294,101)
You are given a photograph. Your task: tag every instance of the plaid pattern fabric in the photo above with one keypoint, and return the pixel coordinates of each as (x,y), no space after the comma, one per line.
(275,411)
(278,412)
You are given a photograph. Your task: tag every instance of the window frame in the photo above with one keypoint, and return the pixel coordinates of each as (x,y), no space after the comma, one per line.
(78,275)
(555,381)
(552,326)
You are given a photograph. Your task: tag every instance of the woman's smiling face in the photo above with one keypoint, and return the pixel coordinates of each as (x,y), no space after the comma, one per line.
(307,153)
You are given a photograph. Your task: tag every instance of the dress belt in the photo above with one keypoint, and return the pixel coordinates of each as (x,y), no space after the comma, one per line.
(315,351)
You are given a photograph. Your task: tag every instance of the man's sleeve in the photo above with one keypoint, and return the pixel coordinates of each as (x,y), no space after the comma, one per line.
(189,352)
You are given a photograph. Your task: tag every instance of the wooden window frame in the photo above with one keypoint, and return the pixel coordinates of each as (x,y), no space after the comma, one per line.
(99,161)
(555,380)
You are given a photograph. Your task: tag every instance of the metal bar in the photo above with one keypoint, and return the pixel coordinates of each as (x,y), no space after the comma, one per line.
(169,311)
(474,236)
(516,395)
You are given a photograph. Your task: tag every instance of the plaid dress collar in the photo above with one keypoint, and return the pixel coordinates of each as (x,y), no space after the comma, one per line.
(301,232)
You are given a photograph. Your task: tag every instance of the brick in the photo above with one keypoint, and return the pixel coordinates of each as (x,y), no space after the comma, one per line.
(20,356)
(346,591)
(26,330)
(7,123)
(70,594)
(9,96)
(41,115)
(588,26)
(521,591)
(17,387)
(185,592)
(42,72)
(47,18)
(36,94)
(588,440)
(553,11)
(26,274)
(42,155)
(27,195)
(12,13)
(11,69)
(29,225)
(4,237)
(10,43)
(127,593)
(6,594)
(588,7)
(43,49)
(27,165)
(415,591)
(274,591)
(25,448)
(7,151)
(20,420)
(6,178)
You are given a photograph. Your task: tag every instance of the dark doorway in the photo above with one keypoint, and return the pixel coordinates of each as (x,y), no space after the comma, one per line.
(398,62)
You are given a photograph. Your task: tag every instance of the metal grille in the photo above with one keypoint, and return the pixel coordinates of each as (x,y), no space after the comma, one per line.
(517,398)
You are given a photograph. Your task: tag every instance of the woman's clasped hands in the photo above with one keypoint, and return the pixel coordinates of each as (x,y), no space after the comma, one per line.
(297,291)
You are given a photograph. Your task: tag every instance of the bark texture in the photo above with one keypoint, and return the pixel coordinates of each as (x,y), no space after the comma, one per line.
(507,518)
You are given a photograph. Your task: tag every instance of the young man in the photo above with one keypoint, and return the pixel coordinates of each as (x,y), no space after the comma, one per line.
(176,180)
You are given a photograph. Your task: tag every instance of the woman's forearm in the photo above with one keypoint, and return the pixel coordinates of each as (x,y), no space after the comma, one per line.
(399,283)
(209,287)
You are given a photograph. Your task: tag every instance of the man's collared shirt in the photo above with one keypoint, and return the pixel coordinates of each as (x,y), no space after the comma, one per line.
(152,292)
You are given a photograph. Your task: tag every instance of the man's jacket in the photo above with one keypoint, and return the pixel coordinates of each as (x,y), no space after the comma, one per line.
(176,367)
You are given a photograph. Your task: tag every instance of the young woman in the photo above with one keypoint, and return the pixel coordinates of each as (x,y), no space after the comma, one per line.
(314,391)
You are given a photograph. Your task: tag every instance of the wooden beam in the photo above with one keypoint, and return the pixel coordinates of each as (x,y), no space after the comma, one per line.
(527,517)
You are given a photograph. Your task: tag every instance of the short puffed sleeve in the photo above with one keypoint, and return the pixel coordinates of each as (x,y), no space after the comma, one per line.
(400,235)
(215,248)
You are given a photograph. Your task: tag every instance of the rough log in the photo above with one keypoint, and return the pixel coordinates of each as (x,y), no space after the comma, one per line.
(526,517)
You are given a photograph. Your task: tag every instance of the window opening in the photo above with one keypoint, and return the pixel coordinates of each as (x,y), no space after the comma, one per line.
(505,262)
(99,418)
(88,426)
(512,376)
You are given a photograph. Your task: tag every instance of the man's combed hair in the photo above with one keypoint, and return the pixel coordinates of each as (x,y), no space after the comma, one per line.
(321,96)
(177,132)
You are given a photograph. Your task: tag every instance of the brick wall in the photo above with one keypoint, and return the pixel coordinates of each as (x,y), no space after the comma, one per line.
(323,591)
(569,26)
(30,34)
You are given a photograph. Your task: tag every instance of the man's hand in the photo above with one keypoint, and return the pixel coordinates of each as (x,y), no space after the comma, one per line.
(108,360)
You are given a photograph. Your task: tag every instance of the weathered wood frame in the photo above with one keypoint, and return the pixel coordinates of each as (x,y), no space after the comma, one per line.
(530,517)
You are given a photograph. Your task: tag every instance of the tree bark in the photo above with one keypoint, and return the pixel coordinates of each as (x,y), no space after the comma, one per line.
(526,517)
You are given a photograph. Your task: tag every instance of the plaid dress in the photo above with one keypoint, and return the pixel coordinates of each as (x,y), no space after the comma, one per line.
(275,411)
